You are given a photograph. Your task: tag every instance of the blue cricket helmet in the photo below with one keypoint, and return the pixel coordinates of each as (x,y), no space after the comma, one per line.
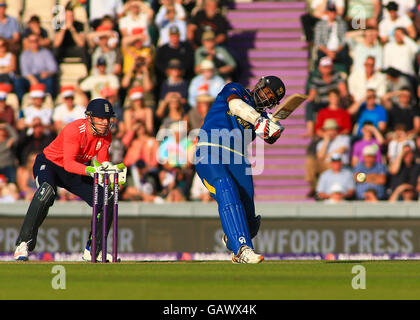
(276,86)
(100,108)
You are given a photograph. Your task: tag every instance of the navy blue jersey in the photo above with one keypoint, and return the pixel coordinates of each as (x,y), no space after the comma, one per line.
(221,127)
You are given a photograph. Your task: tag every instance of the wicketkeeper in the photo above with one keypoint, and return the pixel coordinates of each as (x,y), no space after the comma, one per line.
(221,161)
(63,163)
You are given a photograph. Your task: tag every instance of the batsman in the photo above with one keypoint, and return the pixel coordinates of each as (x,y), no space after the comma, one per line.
(222,164)
(65,163)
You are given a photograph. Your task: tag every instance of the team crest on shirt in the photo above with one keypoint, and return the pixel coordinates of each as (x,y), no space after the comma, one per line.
(98,145)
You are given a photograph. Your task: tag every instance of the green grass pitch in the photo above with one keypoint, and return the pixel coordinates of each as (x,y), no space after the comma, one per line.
(271,280)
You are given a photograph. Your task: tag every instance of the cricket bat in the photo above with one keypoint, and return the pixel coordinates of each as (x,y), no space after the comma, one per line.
(288,106)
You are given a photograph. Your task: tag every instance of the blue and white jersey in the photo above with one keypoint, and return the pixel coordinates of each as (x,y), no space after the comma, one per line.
(222,128)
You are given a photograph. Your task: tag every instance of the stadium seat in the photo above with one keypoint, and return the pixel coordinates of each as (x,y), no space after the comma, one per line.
(71,73)
(13,101)
(14,8)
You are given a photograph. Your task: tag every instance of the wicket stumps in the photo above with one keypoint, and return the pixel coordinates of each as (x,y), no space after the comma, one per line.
(105,206)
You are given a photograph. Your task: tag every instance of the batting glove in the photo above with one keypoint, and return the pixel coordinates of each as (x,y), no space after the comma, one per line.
(268,130)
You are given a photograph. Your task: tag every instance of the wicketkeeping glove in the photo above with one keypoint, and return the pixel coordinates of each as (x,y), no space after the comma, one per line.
(268,130)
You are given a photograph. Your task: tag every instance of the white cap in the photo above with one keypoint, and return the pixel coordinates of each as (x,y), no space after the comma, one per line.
(325,61)
(336,188)
(206,65)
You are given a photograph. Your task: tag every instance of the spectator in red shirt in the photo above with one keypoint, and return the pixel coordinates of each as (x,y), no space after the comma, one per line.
(334,111)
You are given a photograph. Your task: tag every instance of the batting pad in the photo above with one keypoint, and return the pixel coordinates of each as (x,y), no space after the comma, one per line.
(42,200)
(232,214)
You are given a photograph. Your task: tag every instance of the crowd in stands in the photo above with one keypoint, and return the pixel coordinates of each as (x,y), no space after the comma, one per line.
(363,112)
(160,63)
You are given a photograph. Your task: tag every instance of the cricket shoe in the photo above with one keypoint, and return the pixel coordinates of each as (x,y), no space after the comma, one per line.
(247,255)
(225,240)
(87,257)
(22,252)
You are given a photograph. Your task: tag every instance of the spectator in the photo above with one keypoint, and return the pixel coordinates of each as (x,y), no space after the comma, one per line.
(169,22)
(369,111)
(175,49)
(94,83)
(365,46)
(70,39)
(105,49)
(404,112)
(208,18)
(400,53)
(8,141)
(404,168)
(371,196)
(179,191)
(116,148)
(209,50)
(8,190)
(375,175)
(138,111)
(170,110)
(399,139)
(137,18)
(198,191)
(162,14)
(196,115)
(138,68)
(140,146)
(415,16)
(317,11)
(337,175)
(34,142)
(389,24)
(141,184)
(207,82)
(334,111)
(107,28)
(336,195)
(8,63)
(404,192)
(418,188)
(34,27)
(7,114)
(37,65)
(370,136)
(9,28)
(174,81)
(98,9)
(417,148)
(330,38)
(405,7)
(366,78)
(68,111)
(319,86)
(36,109)
(331,143)
(175,149)
(25,180)
(395,81)
(362,14)
(112,96)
